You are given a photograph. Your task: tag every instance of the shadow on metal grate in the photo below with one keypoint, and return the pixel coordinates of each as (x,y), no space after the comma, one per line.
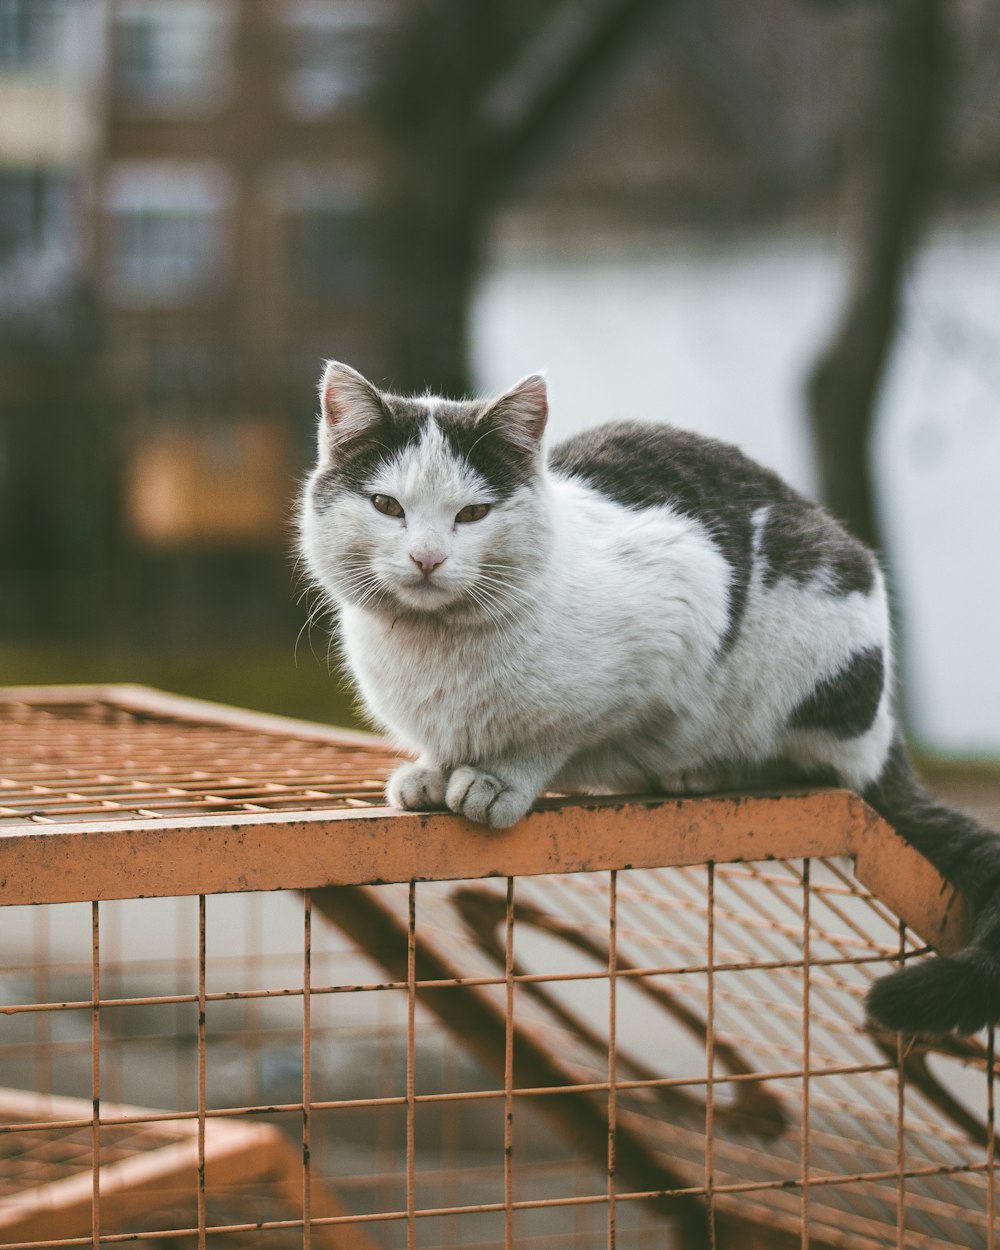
(622,1023)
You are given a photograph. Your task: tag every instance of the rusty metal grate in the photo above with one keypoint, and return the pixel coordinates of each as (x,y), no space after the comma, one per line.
(619,1024)
(798,1089)
(73,761)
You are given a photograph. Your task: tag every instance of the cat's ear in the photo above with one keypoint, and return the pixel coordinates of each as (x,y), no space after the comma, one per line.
(522,412)
(349,405)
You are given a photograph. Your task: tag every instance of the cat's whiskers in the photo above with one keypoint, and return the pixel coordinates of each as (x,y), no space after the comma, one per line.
(500,623)
(498,608)
(358,582)
(368,591)
(303,581)
(504,589)
(317,611)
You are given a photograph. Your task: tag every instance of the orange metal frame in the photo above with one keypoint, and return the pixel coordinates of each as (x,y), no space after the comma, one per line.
(155,855)
(122,793)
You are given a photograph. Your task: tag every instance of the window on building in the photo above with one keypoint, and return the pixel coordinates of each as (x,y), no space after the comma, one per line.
(328,254)
(326,214)
(332,46)
(36,214)
(32,34)
(172,56)
(167,232)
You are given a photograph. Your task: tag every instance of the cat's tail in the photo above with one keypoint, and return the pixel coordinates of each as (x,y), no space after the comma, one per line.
(942,993)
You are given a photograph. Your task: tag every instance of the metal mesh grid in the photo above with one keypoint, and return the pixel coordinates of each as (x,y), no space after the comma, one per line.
(669,1057)
(632,991)
(98,760)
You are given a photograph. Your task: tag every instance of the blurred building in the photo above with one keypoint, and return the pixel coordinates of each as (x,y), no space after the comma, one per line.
(230,202)
(183,186)
(50,83)
(51,79)
(185,206)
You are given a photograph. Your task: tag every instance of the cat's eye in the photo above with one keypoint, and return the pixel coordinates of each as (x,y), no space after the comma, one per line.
(387,505)
(473,512)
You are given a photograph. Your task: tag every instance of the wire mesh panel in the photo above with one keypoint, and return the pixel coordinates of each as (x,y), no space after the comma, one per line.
(70,760)
(658,1056)
(785,1119)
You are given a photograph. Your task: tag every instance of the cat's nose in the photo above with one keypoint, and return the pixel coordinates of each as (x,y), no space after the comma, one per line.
(428,560)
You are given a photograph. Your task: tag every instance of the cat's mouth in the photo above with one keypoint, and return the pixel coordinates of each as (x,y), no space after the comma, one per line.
(425,592)
(425,595)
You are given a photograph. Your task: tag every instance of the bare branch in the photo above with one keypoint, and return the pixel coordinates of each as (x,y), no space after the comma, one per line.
(572,53)
(905,115)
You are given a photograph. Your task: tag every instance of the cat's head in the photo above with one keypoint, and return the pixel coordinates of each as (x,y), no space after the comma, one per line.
(425,505)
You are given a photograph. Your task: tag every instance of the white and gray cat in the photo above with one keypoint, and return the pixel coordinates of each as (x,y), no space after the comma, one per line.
(642,609)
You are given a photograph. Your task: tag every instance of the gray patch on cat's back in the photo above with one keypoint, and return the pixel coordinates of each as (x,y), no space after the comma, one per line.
(799,541)
(647,466)
(847,703)
(747,509)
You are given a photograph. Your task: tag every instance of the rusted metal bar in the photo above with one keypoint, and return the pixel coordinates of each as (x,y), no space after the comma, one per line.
(269,851)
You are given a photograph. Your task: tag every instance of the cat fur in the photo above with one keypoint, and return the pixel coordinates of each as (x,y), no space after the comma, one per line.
(642,610)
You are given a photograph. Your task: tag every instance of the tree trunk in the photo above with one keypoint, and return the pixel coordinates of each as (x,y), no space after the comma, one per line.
(469,93)
(897,175)
(429,260)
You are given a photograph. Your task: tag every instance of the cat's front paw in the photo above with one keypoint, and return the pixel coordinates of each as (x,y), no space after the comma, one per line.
(486,799)
(416,787)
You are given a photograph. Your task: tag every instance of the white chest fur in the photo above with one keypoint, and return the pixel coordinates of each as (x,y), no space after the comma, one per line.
(623,616)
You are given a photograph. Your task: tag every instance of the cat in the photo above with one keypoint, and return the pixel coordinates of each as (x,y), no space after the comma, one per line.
(642,610)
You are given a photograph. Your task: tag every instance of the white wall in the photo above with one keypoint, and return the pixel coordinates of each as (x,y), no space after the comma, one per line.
(717,335)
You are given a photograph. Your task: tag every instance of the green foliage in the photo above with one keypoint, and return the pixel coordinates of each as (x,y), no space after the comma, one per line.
(269,680)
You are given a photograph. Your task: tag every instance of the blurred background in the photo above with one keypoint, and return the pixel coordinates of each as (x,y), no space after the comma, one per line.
(776,223)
